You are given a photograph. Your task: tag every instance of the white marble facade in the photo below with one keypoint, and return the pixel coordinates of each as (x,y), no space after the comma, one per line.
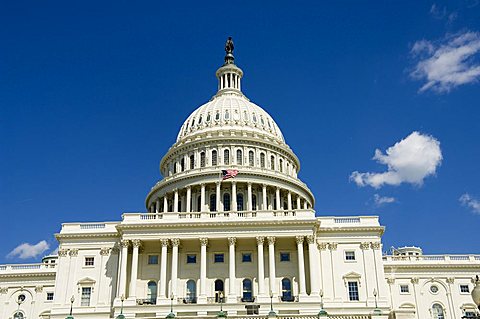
(244,244)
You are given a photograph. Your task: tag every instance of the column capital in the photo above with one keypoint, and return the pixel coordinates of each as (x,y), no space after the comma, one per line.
(415,280)
(175,242)
(164,242)
(364,246)
(376,245)
(62,252)
(332,246)
(189,187)
(390,280)
(322,246)
(125,243)
(450,280)
(218,183)
(73,252)
(249,184)
(104,251)
(260,240)
(310,239)
(232,241)
(271,240)
(203,241)
(136,243)
(299,239)
(202,184)
(264,185)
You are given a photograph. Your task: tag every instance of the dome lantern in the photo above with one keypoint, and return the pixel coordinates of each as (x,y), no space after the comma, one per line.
(229,75)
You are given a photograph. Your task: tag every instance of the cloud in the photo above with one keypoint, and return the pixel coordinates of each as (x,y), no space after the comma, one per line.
(470,202)
(437,12)
(409,161)
(446,64)
(26,250)
(381,200)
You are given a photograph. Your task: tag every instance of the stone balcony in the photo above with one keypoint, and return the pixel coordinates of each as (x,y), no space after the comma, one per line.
(432,259)
(17,269)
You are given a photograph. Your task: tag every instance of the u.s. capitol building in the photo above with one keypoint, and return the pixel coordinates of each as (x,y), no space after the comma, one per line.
(231,231)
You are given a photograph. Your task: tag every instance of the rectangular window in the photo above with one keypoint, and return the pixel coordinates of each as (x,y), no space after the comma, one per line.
(469,314)
(464,288)
(153,259)
(219,258)
(404,289)
(49,296)
(246,257)
(86,294)
(284,256)
(89,261)
(353,291)
(191,259)
(350,255)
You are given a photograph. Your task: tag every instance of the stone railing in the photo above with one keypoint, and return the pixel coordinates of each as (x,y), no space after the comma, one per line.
(349,221)
(307,214)
(278,316)
(433,258)
(89,227)
(18,268)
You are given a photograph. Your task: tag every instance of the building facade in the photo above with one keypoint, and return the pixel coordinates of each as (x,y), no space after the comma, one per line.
(231,229)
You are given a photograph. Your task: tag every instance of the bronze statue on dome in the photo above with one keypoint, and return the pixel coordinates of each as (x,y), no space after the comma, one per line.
(229,58)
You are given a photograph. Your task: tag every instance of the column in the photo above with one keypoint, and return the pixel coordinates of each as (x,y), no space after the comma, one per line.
(305,204)
(301,266)
(189,199)
(298,202)
(157,206)
(202,198)
(163,268)
(217,195)
(123,268)
(264,197)
(134,269)
(234,197)
(289,200)
(277,197)
(249,192)
(175,244)
(271,263)
(231,269)
(175,200)
(261,266)
(165,203)
(313,265)
(203,267)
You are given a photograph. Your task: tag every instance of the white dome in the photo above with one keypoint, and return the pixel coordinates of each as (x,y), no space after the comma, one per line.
(230,110)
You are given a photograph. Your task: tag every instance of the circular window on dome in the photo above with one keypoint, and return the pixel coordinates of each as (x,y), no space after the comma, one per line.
(227,115)
(433,289)
(208,118)
(21,298)
(217,116)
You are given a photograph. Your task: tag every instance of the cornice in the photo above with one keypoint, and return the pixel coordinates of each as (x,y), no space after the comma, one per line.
(85,235)
(379,229)
(30,274)
(394,267)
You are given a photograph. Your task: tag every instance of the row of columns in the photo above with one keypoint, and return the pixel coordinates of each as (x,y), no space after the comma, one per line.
(156,208)
(175,242)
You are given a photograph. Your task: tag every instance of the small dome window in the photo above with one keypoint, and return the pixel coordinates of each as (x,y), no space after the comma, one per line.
(208,118)
(227,115)
(261,120)
(254,118)
(245,116)
(193,123)
(269,125)
(186,127)
(236,116)
(200,119)
(217,116)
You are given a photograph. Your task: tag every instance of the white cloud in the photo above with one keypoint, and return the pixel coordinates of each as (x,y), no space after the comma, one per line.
(409,161)
(470,202)
(448,63)
(26,250)
(381,200)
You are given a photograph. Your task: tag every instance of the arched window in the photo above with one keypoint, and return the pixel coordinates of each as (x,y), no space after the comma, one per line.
(18,315)
(262,160)
(192,161)
(239,202)
(272,162)
(214,158)
(437,311)
(286,290)
(182,164)
(247,290)
(152,291)
(254,202)
(280,164)
(251,161)
(199,203)
(202,159)
(219,290)
(226,157)
(226,202)
(174,167)
(213,202)
(239,157)
(191,296)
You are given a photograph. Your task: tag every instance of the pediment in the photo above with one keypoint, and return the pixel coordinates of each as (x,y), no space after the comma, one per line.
(86,281)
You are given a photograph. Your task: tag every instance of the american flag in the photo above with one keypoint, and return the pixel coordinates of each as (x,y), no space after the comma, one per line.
(229,173)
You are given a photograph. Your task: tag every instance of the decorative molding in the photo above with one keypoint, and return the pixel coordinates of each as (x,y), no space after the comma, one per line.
(232,241)
(311,239)
(175,242)
(364,246)
(332,246)
(38,289)
(271,240)
(322,246)
(260,240)
(376,245)
(73,252)
(299,240)
(3,290)
(203,241)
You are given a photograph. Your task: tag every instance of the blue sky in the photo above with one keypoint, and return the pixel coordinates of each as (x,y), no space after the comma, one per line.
(93,94)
